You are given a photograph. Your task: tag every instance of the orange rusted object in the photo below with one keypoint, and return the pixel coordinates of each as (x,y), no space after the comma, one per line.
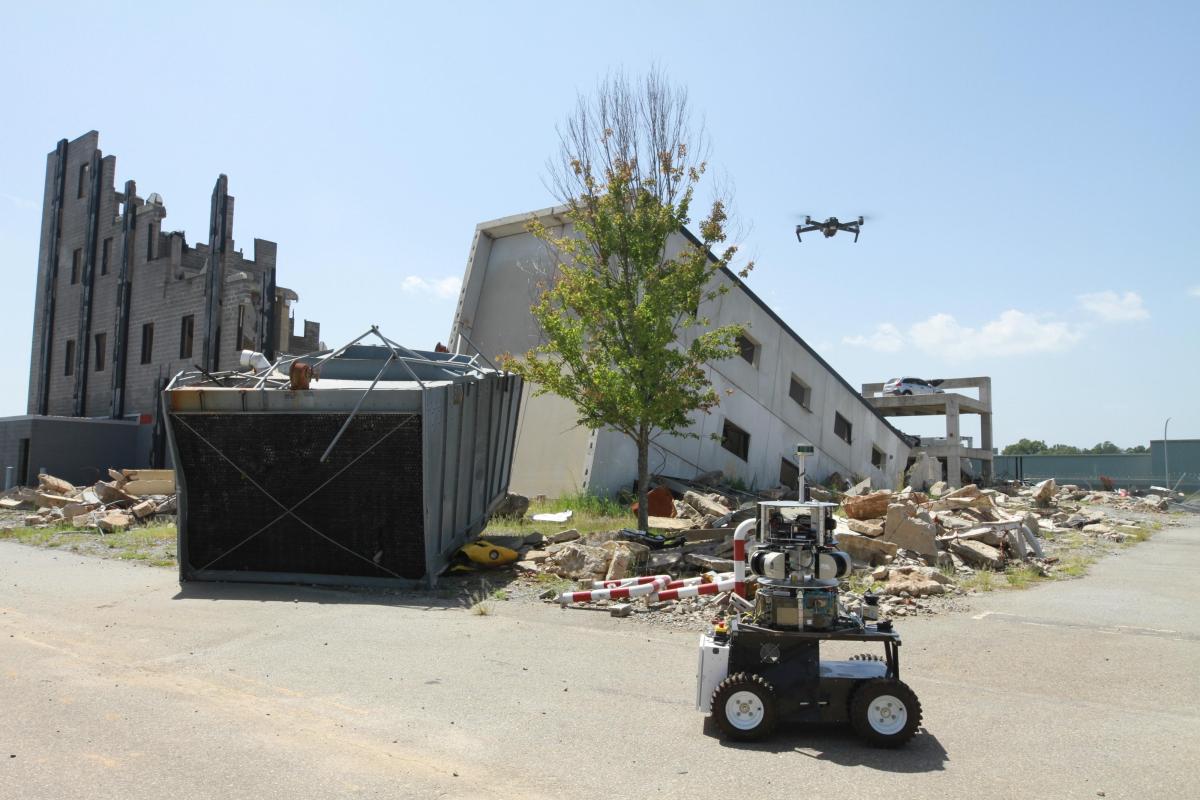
(299,375)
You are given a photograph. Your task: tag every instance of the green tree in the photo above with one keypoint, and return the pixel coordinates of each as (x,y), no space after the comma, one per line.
(616,311)
(1025,447)
(1104,448)
(1141,448)
(1062,450)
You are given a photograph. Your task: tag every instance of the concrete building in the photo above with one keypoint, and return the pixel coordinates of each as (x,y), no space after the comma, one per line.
(123,304)
(778,393)
(952,450)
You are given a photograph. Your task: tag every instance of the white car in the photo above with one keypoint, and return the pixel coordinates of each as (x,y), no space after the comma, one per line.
(909,386)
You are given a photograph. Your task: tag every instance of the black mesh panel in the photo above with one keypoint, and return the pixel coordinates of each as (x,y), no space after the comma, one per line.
(374,508)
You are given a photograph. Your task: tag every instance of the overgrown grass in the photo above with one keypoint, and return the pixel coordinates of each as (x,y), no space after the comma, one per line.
(983,580)
(1074,565)
(153,545)
(481,602)
(862,582)
(1022,576)
(591,514)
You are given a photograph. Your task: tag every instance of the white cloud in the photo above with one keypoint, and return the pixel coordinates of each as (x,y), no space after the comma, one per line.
(1194,291)
(1013,333)
(886,339)
(443,288)
(1113,307)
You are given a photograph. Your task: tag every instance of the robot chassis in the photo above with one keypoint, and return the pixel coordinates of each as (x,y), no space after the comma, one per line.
(762,666)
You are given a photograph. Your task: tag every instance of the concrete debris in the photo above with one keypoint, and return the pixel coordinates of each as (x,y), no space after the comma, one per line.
(866,527)
(1043,493)
(711,504)
(709,563)
(568,535)
(871,506)
(924,472)
(869,551)
(100,506)
(978,554)
(578,561)
(938,489)
(859,489)
(625,560)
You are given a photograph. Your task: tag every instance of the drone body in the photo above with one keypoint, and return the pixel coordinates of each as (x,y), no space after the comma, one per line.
(829,227)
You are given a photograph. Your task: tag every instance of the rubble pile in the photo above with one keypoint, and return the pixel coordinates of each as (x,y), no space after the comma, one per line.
(907,546)
(129,498)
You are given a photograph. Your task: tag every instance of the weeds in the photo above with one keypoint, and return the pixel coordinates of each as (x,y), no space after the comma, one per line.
(1022,576)
(481,602)
(983,580)
(154,545)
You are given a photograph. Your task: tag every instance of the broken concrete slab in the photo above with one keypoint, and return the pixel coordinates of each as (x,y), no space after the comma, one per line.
(568,535)
(114,521)
(53,485)
(141,488)
(626,559)
(109,493)
(866,549)
(859,489)
(48,500)
(871,506)
(978,554)
(144,509)
(914,534)
(705,504)
(938,489)
(1043,492)
(578,561)
(865,527)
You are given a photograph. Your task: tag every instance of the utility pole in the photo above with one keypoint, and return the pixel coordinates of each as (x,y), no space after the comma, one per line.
(1166,460)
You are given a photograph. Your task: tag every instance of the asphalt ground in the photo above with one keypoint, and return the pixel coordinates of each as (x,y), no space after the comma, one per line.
(117,683)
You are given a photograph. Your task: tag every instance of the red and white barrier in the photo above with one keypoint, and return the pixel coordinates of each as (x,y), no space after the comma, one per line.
(616,592)
(696,590)
(740,535)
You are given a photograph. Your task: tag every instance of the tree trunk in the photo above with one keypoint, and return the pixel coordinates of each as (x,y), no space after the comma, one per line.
(643,446)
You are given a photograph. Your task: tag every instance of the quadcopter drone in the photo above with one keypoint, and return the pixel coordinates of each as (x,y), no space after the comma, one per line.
(829,227)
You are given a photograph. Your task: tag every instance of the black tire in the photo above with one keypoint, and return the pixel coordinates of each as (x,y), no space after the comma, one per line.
(907,393)
(760,718)
(866,657)
(874,713)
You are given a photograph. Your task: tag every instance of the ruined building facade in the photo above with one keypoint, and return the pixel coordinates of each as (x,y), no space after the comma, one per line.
(123,304)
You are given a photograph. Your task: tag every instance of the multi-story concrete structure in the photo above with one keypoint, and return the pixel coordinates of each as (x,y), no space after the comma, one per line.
(778,393)
(123,304)
(954,449)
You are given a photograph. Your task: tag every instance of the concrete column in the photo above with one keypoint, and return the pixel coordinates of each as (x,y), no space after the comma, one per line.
(954,460)
(985,442)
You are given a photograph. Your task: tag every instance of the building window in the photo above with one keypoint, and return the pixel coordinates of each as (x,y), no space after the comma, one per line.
(842,427)
(789,474)
(147,342)
(81,191)
(736,441)
(186,329)
(877,457)
(101,350)
(800,392)
(105,255)
(747,348)
(76,265)
(151,241)
(69,358)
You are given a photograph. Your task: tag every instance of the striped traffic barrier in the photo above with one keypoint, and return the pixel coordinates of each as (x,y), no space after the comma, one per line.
(695,591)
(614,593)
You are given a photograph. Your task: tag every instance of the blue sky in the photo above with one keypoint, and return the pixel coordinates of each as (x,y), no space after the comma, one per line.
(1031,170)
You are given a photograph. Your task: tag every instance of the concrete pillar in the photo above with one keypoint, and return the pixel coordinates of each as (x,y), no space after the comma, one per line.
(954,460)
(8,478)
(985,442)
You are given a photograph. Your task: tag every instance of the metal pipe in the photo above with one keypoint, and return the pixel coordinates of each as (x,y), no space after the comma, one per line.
(740,534)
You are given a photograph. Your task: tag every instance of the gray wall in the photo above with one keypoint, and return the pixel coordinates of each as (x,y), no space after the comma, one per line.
(1133,470)
(74,449)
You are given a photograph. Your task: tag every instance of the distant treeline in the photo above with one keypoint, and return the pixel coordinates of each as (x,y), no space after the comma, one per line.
(1036,447)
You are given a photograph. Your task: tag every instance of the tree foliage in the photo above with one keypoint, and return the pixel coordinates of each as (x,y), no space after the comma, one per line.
(1036,447)
(623,336)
